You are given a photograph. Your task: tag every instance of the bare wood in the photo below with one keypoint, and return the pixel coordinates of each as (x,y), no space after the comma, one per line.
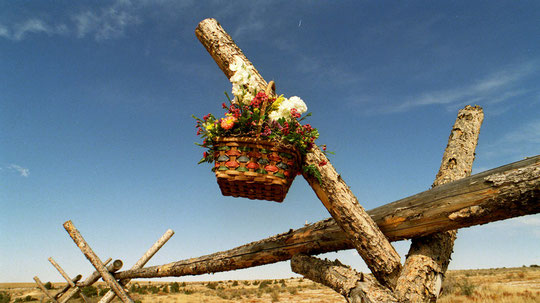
(43,289)
(355,287)
(94,259)
(62,272)
(428,258)
(377,252)
(506,192)
(115,266)
(67,287)
(109,296)
(224,50)
(369,241)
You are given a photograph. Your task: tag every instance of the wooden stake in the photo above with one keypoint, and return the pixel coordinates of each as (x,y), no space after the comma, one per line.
(44,290)
(62,272)
(369,241)
(116,265)
(94,259)
(67,287)
(109,296)
(428,258)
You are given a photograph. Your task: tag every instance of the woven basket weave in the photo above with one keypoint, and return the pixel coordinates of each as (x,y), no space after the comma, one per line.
(254,168)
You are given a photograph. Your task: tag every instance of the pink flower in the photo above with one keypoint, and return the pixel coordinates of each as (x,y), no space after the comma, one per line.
(228,122)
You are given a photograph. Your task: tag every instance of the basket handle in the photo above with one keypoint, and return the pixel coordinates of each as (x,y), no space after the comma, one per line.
(270,87)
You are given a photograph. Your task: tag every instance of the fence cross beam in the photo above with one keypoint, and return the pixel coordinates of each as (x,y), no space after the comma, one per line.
(96,262)
(109,296)
(66,277)
(44,289)
(92,278)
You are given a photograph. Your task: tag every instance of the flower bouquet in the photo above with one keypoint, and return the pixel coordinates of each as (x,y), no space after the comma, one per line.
(258,146)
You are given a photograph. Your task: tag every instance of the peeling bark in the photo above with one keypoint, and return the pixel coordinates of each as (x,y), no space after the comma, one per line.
(419,215)
(334,193)
(355,287)
(428,258)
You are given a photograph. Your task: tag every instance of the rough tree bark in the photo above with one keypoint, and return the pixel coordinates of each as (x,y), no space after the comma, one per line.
(428,258)
(509,191)
(377,252)
(355,287)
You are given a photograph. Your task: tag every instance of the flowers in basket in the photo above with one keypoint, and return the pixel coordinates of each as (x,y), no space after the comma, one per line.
(255,114)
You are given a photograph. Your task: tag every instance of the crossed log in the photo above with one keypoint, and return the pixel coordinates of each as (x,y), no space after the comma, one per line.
(430,218)
(506,192)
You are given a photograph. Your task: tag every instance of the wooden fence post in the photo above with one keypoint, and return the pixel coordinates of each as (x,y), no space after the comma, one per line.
(44,289)
(109,296)
(116,265)
(428,258)
(94,259)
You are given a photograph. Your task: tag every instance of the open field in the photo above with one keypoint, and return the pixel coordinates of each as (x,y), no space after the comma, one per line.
(508,285)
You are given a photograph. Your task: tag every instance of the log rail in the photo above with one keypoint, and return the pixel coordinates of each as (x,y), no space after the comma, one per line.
(506,192)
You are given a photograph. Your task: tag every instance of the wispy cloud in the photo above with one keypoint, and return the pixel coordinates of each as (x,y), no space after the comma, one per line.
(23,172)
(494,88)
(102,23)
(107,23)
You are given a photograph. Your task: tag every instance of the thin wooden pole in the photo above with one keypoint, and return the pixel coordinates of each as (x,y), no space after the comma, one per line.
(44,290)
(94,259)
(109,296)
(116,265)
(62,272)
(67,287)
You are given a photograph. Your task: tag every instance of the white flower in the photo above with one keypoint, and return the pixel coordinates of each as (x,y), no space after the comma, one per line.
(284,109)
(237,64)
(252,84)
(276,115)
(299,104)
(240,77)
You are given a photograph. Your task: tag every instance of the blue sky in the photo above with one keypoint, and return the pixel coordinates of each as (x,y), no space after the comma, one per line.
(96,101)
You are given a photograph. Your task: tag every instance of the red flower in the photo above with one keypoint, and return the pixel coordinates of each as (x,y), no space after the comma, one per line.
(322,163)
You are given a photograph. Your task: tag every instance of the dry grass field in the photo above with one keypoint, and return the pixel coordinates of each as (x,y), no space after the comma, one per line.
(508,285)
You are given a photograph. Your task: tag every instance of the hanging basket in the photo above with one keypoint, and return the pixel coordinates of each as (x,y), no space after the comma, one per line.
(254,168)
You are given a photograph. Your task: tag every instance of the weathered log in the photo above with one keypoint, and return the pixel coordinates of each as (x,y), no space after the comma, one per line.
(96,262)
(377,252)
(67,286)
(506,192)
(428,258)
(223,49)
(109,296)
(44,289)
(62,272)
(355,287)
(116,265)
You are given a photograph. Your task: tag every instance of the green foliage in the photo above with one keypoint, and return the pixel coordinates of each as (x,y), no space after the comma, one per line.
(89,291)
(235,283)
(48,285)
(4,297)
(212,285)
(265,283)
(174,287)
(467,288)
(103,291)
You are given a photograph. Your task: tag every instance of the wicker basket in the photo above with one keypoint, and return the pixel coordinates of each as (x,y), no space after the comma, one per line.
(254,168)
